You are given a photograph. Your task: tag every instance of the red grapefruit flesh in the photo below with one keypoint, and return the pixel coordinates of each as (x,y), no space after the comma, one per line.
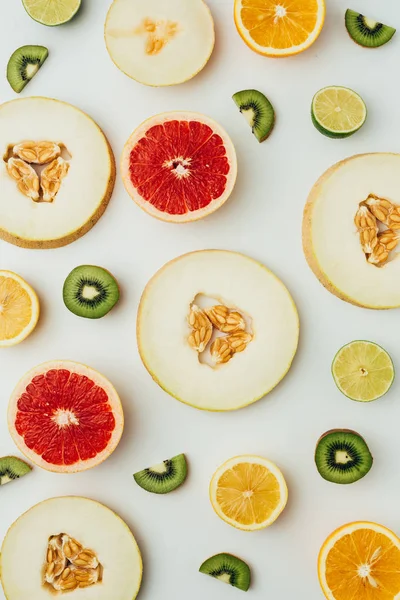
(65,417)
(179,166)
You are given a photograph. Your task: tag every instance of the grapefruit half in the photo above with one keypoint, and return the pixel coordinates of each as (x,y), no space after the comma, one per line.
(65,417)
(179,166)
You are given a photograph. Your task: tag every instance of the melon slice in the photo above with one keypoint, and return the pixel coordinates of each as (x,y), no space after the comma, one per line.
(65,417)
(351,230)
(216,329)
(73,546)
(179,166)
(57,173)
(160,42)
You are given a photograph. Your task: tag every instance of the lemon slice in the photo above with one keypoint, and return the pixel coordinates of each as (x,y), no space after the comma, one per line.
(338,112)
(363,371)
(52,12)
(19,309)
(248,492)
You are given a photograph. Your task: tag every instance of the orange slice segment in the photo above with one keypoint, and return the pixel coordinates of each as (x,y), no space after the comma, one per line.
(279,27)
(19,309)
(248,492)
(360,561)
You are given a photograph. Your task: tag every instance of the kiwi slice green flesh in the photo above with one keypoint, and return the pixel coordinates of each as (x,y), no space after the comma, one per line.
(165,477)
(90,292)
(342,456)
(258,112)
(12,468)
(23,65)
(367,32)
(229,569)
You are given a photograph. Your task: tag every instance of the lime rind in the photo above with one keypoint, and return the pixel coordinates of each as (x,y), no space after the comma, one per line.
(38,10)
(380,390)
(330,131)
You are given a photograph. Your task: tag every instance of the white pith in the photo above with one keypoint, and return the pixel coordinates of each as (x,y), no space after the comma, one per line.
(94,525)
(35,310)
(67,418)
(258,460)
(182,116)
(180,59)
(238,282)
(83,189)
(330,237)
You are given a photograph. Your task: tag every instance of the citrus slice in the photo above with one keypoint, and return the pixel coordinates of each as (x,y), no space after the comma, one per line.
(52,12)
(65,417)
(279,27)
(248,492)
(363,371)
(19,309)
(338,112)
(360,561)
(179,166)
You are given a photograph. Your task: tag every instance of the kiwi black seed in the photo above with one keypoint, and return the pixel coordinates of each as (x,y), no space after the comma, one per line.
(90,291)
(258,112)
(23,65)
(367,32)
(165,477)
(229,569)
(342,456)
(12,468)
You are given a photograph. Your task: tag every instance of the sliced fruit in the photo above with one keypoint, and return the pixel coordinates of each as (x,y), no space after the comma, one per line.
(335,229)
(164,477)
(70,544)
(23,65)
(19,309)
(55,205)
(367,32)
(360,560)
(363,371)
(160,43)
(90,291)
(65,417)
(51,13)
(188,358)
(338,112)
(342,456)
(248,492)
(258,112)
(279,28)
(229,569)
(12,468)
(179,166)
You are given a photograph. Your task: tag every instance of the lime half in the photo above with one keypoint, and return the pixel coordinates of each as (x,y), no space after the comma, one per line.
(52,12)
(363,371)
(338,112)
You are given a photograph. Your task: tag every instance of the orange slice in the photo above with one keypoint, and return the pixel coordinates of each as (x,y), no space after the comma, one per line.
(279,27)
(19,309)
(360,561)
(248,492)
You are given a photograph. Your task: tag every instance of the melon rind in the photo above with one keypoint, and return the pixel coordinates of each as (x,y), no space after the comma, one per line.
(159,120)
(240,282)
(86,189)
(99,380)
(94,525)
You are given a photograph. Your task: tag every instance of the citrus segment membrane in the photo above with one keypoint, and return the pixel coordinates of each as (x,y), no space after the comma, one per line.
(52,12)
(65,417)
(179,166)
(338,112)
(19,309)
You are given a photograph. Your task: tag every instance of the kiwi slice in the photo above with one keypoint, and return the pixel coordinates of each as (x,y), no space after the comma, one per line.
(258,112)
(23,65)
(342,456)
(367,32)
(165,477)
(12,468)
(90,292)
(229,569)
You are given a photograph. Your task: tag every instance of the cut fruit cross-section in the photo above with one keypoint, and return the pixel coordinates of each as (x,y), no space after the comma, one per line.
(65,417)
(179,166)
(52,12)
(19,309)
(338,112)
